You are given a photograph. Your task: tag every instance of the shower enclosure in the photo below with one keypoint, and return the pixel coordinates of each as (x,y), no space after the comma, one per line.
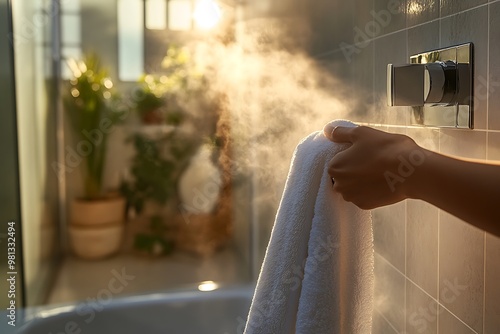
(42,36)
(30,199)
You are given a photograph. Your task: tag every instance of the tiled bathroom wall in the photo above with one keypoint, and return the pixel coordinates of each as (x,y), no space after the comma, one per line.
(434,273)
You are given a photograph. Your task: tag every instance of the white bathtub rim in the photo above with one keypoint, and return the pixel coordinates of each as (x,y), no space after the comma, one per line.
(39,313)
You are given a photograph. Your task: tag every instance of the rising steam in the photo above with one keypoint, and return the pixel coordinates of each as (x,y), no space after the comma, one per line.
(275,96)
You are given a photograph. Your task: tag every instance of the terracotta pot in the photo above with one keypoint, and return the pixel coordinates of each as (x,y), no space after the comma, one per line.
(91,242)
(96,227)
(98,212)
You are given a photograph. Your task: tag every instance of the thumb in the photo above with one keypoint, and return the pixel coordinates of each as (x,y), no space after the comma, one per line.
(338,134)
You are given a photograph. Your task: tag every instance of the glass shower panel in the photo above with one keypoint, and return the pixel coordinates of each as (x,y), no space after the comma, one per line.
(11,292)
(36,116)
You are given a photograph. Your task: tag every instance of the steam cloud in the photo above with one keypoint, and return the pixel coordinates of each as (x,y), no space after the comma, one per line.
(276,95)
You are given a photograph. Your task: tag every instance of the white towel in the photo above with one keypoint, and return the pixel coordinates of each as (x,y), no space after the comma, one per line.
(317,275)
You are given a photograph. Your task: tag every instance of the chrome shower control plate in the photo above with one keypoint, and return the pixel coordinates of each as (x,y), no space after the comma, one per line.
(452,104)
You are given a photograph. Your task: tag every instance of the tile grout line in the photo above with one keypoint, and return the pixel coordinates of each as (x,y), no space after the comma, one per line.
(438,212)
(438,294)
(406,270)
(327,53)
(440,23)
(409,279)
(425,292)
(388,322)
(487,154)
(425,127)
(373,61)
(373,74)
(484,282)
(407,121)
(488,76)
(460,320)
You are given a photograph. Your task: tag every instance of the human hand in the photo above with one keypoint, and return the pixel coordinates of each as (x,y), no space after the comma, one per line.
(375,170)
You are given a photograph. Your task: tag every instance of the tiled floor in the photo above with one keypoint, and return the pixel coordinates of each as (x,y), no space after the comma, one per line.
(124,275)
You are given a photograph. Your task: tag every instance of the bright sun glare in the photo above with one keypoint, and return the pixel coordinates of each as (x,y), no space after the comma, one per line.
(207,14)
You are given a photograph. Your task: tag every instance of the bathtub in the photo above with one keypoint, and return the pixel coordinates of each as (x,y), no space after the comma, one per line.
(220,311)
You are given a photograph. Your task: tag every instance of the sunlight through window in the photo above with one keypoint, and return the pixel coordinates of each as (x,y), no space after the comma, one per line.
(207,14)
(156,14)
(179,15)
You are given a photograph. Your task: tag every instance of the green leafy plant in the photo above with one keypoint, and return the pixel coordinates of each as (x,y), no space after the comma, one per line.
(156,168)
(163,98)
(157,96)
(155,175)
(155,242)
(92,108)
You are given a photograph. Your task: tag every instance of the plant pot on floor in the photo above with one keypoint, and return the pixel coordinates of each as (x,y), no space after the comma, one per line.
(94,243)
(96,227)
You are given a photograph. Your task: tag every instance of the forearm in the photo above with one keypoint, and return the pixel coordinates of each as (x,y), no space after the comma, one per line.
(468,190)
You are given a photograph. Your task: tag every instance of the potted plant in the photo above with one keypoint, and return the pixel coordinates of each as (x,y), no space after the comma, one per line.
(149,101)
(96,218)
(158,171)
(155,172)
(156,98)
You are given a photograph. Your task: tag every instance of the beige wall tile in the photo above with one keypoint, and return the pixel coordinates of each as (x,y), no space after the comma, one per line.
(461,269)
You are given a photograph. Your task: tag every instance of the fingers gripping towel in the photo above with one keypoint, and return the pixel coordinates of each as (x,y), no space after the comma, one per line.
(317,275)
